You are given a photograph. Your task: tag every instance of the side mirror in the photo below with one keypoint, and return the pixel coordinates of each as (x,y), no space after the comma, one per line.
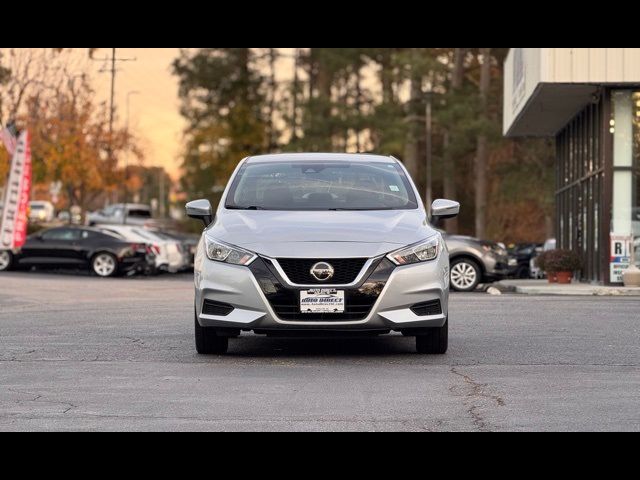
(442,209)
(200,210)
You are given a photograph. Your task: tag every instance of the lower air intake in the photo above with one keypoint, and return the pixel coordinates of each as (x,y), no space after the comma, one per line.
(217,309)
(427,308)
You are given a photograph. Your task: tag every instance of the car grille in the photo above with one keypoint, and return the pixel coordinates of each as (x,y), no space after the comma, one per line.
(285,301)
(358,306)
(427,308)
(346,270)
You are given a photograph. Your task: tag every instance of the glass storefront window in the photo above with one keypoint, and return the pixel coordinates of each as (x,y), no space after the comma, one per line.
(625,126)
(635,212)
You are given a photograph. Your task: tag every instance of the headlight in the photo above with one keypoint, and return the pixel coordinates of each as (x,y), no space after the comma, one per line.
(220,252)
(421,252)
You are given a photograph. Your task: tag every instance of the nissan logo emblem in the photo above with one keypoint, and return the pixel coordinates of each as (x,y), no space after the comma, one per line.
(322,271)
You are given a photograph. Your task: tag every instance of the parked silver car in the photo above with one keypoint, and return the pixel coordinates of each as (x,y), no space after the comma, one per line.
(303,244)
(475,261)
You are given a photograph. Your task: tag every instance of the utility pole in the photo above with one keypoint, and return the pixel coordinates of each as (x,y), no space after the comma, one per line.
(126,153)
(161,188)
(112,107)
(113,93)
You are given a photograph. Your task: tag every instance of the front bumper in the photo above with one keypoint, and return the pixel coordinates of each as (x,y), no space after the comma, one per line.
(133,263)
(498,267)
(250,290)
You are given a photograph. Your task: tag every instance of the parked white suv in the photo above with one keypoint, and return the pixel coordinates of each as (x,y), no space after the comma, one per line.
(41,212)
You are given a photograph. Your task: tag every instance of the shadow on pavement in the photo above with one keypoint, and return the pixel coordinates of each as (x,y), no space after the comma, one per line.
(260,346)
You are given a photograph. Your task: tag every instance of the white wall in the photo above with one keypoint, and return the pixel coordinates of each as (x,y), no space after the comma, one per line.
(514,102)
(564,66)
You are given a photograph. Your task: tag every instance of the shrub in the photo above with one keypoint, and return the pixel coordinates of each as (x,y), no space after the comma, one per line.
(540,261)
(562,261)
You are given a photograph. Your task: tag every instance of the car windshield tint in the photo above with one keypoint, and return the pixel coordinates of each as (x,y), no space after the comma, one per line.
(321,186)
(140,213)
(62,234)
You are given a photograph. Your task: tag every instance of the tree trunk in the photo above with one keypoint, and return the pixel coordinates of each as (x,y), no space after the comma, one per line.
(296,87)
(481,152)
(271,130)
(358,106)
(414,130)
(324,83)
(449,167)
(386,76)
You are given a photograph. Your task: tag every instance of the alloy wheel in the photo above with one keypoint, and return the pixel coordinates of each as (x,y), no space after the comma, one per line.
(5,260)
(463,276)
(104,265)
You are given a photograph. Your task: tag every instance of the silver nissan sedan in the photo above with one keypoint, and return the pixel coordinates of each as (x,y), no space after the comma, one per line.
(321,244)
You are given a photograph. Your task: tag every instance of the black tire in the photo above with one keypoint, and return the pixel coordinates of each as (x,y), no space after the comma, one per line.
(464,264)
(435,341)
(523,272)
(208,342)
(6,260)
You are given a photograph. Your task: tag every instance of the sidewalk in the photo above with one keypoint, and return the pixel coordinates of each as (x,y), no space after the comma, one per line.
(543,287)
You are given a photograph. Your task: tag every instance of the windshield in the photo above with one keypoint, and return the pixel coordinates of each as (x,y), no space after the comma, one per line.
(321,186)
(139,213)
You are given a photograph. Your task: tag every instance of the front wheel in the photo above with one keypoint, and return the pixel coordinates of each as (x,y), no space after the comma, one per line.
(208,342)
(435,341)
(104,265)
(6,259)
(465,275)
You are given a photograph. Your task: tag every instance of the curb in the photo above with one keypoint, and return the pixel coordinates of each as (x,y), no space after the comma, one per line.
(595,292)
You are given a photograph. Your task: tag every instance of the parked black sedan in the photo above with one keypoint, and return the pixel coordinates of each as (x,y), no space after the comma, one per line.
(78,247)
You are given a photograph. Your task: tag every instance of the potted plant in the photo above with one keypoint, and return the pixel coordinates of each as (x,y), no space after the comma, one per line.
(542,265)
(563,263)
(631,276)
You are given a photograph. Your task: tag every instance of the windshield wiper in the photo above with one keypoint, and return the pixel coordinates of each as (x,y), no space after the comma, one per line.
(251,207)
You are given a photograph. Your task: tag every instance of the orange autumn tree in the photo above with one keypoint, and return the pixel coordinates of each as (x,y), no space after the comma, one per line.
(4,164)
(71,143)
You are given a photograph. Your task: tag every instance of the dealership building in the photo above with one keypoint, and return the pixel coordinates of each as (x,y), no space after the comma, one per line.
(588,99)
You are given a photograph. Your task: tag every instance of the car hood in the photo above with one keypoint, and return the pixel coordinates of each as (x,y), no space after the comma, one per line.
(321,234)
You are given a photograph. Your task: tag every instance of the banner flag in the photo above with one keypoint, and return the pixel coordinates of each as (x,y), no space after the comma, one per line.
(13,224)
(9,140)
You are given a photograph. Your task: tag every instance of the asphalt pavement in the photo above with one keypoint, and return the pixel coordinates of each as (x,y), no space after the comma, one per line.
(82,353)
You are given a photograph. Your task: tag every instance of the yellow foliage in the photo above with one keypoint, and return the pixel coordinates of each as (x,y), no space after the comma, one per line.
(71,143)
(4,164)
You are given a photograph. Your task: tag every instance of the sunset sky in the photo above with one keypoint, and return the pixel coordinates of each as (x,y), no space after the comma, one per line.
(154,112)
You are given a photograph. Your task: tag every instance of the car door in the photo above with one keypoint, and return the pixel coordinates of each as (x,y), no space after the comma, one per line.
(83,246)
(89,242)
(52,247)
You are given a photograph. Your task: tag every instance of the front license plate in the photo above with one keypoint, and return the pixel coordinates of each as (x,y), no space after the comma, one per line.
(322,300)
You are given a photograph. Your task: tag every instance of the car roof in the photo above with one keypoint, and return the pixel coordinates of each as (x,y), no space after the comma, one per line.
(321,157)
